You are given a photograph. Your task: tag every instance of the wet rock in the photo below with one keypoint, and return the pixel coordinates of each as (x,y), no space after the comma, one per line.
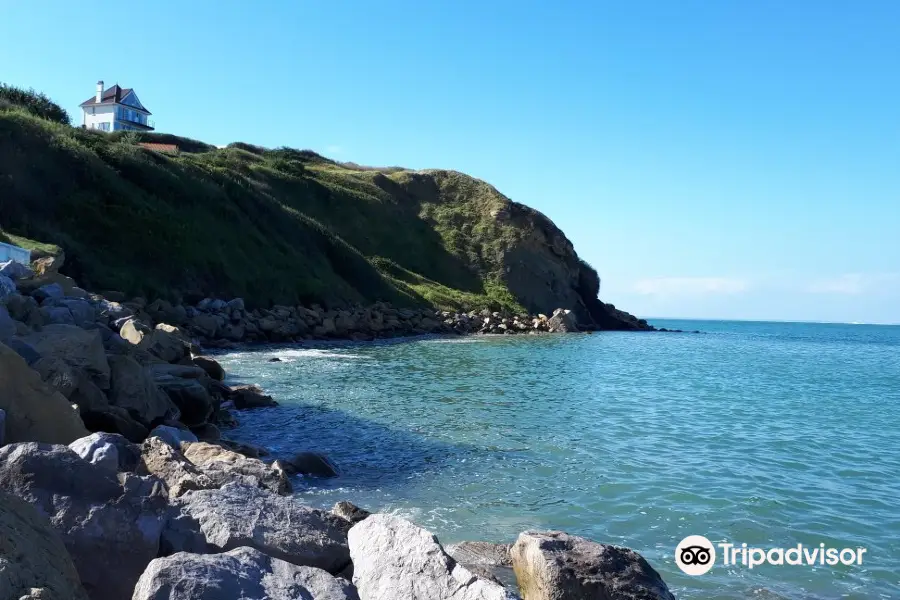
(34,410)
(392,558)
(109,451)
(240,573)
(34,562)
(250,396)
(487,560)
(210,367)
(238,515)
(553,564)
(7,288)
(207,432)
(350,512)
(310,463)
(110,526)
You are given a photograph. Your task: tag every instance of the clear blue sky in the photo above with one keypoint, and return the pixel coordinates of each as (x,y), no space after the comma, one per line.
(710,159)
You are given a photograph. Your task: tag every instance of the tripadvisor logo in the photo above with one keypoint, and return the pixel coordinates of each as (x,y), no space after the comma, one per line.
(695,555)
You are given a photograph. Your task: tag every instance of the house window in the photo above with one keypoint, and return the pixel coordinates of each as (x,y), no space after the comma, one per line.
(103,126)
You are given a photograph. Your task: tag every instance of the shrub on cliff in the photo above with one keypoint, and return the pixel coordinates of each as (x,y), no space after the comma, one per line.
(34,102)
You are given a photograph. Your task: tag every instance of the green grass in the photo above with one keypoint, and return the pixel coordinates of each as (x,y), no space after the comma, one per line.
(269,225)
(272,226)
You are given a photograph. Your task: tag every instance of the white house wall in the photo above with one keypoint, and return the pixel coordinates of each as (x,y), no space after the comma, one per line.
(101,114)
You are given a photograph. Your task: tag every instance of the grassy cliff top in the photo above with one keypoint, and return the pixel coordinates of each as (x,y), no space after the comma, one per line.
(273,225)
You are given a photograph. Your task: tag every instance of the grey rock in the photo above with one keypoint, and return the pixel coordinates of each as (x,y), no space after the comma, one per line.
(236,304)
(552,564)
(173,436)
(236,515)
(50,291)
(132,330)
(163,372)
(310,463)
(243,573)
(35,411)
(191,398)
(15,270)
(79,348)
(24,349)
(392,558)
(207,432)
(109,451)
(7,325)
(110,526)
(57,315)
(250,396)
(168,343)
(34,562)
(562,321)
(485,559)
(210,366)
(83,312)
(349,511)
(223,464)
(58,373)
(115,420)
(133,388)
(181,475)
(7,288)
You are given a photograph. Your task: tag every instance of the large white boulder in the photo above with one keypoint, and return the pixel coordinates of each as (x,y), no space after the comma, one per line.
(393,559)
(110,451)
(243,573)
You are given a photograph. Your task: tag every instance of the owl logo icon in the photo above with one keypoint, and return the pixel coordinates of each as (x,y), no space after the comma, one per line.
(695,555)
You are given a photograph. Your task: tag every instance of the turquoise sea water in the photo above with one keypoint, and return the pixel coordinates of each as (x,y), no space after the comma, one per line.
(771,434)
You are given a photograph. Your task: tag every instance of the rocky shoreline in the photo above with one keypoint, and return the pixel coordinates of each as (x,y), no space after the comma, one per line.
(117,481)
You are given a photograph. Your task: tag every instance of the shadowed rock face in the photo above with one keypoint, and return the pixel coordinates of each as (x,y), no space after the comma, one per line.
(33,556)
(110,524)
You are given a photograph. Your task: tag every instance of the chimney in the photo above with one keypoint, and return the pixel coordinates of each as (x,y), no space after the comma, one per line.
(99,91)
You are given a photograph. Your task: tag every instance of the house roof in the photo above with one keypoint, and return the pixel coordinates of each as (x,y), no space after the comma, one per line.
(164,148)
(112,95)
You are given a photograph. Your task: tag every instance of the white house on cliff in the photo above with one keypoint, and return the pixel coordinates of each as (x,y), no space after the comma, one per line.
(115,109)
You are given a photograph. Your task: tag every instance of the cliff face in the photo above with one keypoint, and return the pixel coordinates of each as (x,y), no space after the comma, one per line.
(282,226)
(521,246)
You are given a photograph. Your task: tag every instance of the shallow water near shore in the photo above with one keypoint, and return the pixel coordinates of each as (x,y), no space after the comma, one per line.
(771,434)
